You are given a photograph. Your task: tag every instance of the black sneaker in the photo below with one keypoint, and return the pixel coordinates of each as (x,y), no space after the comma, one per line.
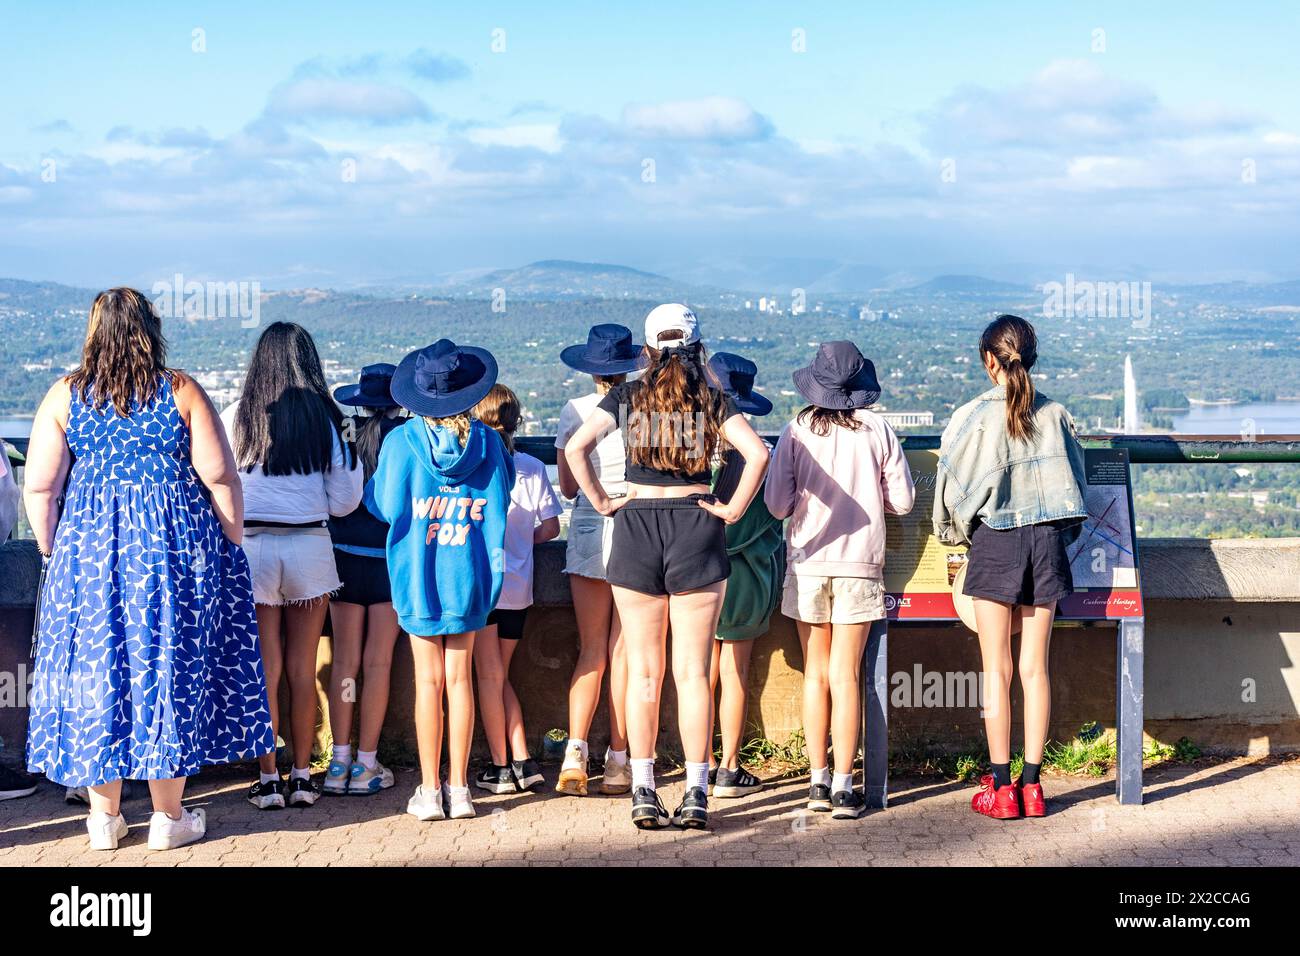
(495,779)
(713,776)
(15,784)
(735,783)
(648,812)
(819,798)
(301,792)
(693,812)
(526,773)
(267,796)
(848,805)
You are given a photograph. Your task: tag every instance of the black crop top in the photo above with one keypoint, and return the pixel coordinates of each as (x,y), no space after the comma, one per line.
(617,403)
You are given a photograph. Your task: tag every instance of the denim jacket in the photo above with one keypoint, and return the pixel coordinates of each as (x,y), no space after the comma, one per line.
(985,475)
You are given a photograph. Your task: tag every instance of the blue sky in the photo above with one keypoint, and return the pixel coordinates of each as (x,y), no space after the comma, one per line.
(345,143)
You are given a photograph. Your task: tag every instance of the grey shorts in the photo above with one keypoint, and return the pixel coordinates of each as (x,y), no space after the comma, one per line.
(1027,566)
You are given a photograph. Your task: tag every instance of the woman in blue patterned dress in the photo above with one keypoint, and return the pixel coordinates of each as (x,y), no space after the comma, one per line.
(147,665)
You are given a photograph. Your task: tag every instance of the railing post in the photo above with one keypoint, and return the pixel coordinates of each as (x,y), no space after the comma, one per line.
(1128,705)
(875,717)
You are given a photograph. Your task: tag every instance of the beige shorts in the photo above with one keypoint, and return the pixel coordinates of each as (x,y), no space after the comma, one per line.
(815,599)
(587,550)
(290,566)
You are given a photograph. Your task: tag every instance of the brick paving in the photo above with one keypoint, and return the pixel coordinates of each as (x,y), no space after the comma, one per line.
(1241,812)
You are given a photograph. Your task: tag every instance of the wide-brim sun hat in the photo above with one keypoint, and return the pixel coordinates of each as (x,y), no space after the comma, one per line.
(609,350)
(671,317)
(839,377)
(444,379)
(372,391)
(736,375)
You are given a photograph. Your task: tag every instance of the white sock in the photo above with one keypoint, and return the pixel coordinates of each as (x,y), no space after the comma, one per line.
(368,758)
(582,745)
(843,782)
(300,773)
(267,777)
(643,772)
(821,776)
(697,775)
(615,756)
(343,754)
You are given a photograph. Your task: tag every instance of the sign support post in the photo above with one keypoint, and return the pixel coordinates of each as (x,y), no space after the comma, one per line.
(875,716)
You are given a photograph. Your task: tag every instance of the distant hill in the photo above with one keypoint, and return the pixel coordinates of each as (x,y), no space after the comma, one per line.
(977,285)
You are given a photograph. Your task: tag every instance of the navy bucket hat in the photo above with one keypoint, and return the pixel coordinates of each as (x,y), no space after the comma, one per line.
(838,377)
(736,377)
(372,391)
(609,351)
(444,379)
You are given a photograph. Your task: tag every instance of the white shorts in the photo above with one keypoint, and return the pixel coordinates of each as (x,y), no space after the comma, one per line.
(590,536)
(815,599)
(290,566)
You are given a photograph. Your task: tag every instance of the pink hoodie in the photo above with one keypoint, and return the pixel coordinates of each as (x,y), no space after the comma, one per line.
(836,490)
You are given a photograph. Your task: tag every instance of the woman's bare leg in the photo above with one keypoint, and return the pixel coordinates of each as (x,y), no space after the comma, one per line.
(303,624)
(106,798)
(458,653)
(271,642)
(848,641)
(515,733)
(166,795)
(430,680)
(593,606)
(377,666)
(490,676)
(816,642)
(733,666)
(645,629)
(348,624)
(993,621)
(1035,642)
(693,616)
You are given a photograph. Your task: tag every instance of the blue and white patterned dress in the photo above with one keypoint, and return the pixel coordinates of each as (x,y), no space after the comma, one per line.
(148,664)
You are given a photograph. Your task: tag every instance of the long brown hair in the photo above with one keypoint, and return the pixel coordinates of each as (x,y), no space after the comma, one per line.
(819,420)
(499,409)
(124,355)
(669,408)
(370,437)
(1014,344)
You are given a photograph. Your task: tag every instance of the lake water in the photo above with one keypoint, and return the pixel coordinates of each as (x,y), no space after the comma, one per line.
(1270,418)
(15,427)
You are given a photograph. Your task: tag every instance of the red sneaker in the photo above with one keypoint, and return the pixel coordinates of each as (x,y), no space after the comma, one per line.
(1031,799)
(1001,803)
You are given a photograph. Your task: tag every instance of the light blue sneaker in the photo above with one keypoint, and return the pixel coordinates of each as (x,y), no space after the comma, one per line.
(365,781)
(337,778)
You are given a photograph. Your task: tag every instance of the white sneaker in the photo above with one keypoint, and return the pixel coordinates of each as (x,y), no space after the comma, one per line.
(618,776)
(105,830)
(337,777)
(573,772)
(168,834)
(426,804)
(366,781)
(459,808)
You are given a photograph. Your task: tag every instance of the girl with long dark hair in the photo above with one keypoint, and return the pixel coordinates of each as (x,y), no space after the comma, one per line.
(362,618)
(298,472)
(1010,485)
(668,559)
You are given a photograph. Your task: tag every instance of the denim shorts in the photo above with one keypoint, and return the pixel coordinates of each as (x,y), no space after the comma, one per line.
(290,566)
(590,535)
(1027,566)
(667,546)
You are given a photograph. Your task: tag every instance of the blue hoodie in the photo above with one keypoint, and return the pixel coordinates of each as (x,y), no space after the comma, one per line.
(446,510)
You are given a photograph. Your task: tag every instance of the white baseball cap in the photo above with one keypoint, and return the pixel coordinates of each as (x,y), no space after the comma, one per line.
(672,317)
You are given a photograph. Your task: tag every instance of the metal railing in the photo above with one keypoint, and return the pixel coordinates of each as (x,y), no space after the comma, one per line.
(1142,449)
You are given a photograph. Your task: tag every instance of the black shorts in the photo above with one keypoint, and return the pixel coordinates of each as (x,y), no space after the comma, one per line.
(1025,566)
(667,546)
(509,622)
(365,579)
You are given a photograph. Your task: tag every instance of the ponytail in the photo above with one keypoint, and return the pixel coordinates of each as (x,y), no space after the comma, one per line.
(369,432)
(1014,345)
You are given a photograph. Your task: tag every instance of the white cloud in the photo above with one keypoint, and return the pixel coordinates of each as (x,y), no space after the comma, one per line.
(325,98)
(543,136)
(719,118)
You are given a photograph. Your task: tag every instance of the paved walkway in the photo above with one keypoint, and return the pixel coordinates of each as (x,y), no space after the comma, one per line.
(1244,812)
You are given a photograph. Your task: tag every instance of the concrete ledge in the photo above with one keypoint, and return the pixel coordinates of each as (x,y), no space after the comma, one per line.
(1228,569)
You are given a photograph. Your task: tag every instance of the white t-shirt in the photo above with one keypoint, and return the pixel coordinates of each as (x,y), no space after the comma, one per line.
(299,499)
(532,501)
(609,457)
